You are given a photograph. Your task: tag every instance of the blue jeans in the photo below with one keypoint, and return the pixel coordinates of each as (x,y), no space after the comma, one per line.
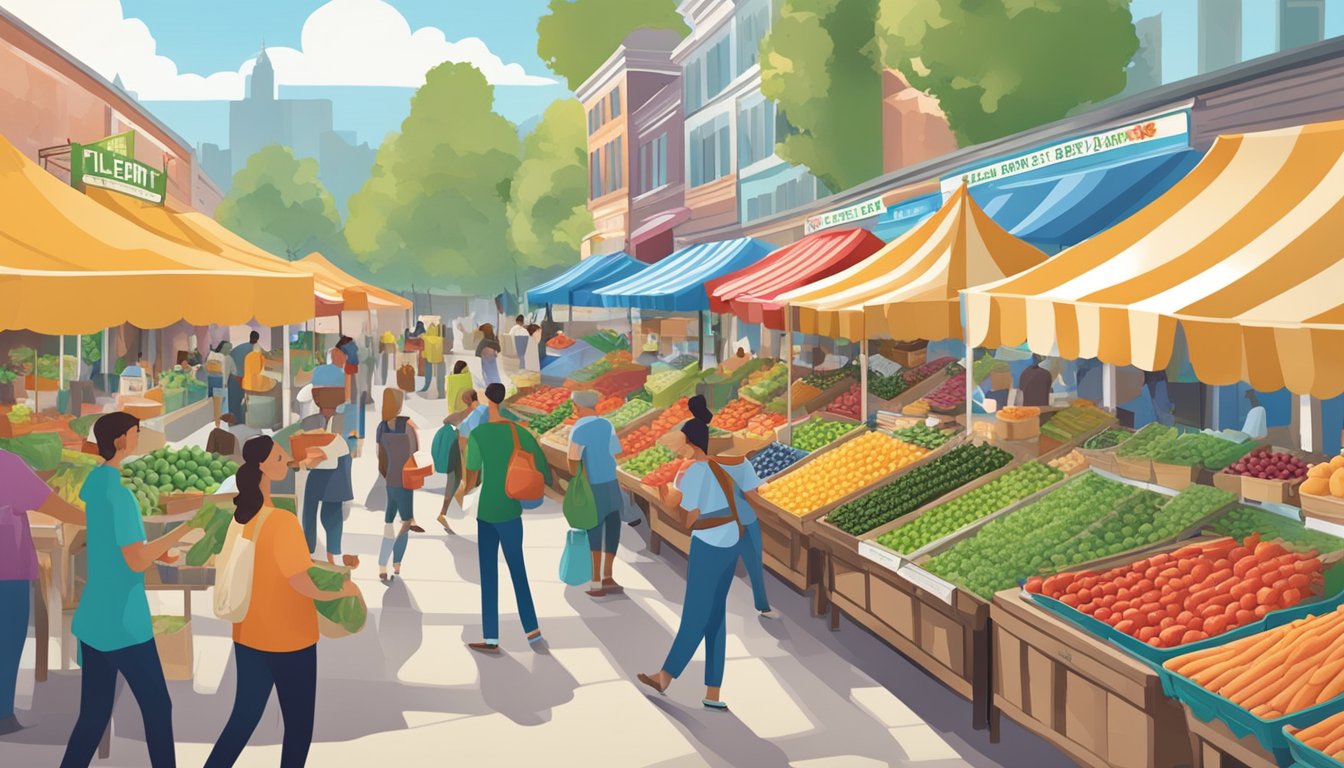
(293,675)
(606,535)
(490,539)
(15,602)
(709,574)
(333,522)
(751,558)
(139,664)
(399,503)
(433,371)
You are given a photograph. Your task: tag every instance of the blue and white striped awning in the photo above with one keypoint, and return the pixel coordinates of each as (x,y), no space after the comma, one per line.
(677,283)
(576,285)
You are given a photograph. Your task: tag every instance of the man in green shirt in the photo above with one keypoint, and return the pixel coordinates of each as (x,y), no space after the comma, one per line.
(499,518)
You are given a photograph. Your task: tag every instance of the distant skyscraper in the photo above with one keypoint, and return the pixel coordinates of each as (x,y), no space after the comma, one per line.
(261,85)
(1219,34)
(217,163)
(262,119)
(1301,22)
(1145,70)
(343,165)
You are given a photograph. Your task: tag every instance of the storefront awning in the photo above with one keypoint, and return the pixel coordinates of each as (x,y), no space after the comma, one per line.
(1243,254)
(658,224)
(71,266)
(908,290)
(903,217)
(578,282)
(677,283)
(1066,209)
(750,293)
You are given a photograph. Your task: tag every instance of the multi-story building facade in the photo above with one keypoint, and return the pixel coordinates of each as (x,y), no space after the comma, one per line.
(633,74)
(733,176)
(658,196)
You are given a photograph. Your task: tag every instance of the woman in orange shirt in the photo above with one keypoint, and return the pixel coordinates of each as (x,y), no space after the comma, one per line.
(275,645)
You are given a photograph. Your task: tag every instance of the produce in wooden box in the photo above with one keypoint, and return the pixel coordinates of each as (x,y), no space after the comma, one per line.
(764,424)
(803,392)
(1019,413)
(917,408)
(1276,672)
(828,379)
(946,519)
(640,439)
(1108,439)
(1075,421)
(608,404)
(848,403)
(622,416)
(817,433)
(1196,449)
(923,435)
(775,458)
(660,382)
(1326,479)
(734,416)
(622,382)
(1069,462)
(919,373)
(765,385)
(1197,592)
(1243,521)
(950,396)
(1147,441)
(918,487)
(886,387)
(1326,736)
(648,460)
(545,399)
(546,422)
(1267,464)
(833,475)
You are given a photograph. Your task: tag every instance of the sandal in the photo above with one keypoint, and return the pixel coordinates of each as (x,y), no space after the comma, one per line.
(652,683)
(612,588)
(718,706)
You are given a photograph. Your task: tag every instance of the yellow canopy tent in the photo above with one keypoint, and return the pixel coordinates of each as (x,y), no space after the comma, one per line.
(1243,255)
(909,288)
(71,266)
(337,280)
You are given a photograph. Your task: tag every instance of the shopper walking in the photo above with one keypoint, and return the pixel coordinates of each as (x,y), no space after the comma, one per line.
(593,446)
(328,486)
(219,370)
(488,351)
(499,517)
(433,356)
(518,333)
(714,488)
(458,382)
(397,444)
(112,623)
(447,455)
(275,645)
(21,492)
(239,357)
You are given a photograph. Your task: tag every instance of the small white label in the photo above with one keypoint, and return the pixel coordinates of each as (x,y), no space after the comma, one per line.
(880,555)
(927,582)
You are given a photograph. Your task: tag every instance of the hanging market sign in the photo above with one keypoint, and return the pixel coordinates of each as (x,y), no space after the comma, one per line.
(120,143)
(863,210)
(95,166)
(1142,132)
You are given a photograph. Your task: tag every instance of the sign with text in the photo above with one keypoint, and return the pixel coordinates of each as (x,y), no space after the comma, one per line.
(96,166)
(1146,131)
(863,210)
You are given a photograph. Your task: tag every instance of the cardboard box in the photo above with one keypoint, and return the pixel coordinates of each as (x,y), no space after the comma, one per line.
(1017,429)
(176,653)
(1175,476)
(1227,482)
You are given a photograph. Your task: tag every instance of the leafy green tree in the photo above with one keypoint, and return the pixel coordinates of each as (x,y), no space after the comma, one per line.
(434,209)
(548,204)
(576,36)
(1002,66)
(819,65)
(278,203)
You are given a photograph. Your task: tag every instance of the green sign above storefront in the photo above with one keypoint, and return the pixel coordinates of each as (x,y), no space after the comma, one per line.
(92,165)
(121,143)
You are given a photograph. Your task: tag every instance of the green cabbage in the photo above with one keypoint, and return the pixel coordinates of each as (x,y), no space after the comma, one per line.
(348,612)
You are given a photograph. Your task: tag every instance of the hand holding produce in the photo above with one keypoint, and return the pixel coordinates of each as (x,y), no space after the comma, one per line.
(1198,591)
(214,520)
(349,612)
(833,475)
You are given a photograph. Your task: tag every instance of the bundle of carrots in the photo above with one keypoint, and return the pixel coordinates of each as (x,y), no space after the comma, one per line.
(1196,592)
(1326,736)
(1274,673)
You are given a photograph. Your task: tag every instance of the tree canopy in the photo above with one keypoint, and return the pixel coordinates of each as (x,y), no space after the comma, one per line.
(1002,66)
(548,210)
(434,209)
(278,203)
(819,64)
(576,36)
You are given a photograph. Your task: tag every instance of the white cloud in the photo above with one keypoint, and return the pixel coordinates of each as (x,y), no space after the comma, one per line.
(344,42)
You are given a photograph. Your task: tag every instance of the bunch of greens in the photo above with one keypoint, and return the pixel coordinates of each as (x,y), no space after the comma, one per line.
(39,450)
(349,612)
(7,376)
(214,520)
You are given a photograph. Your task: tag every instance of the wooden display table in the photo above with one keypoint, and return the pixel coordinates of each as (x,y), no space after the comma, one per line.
(1214,746)
(1097,704)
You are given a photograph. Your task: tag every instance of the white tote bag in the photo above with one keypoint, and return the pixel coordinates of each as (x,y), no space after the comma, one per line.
(233,577)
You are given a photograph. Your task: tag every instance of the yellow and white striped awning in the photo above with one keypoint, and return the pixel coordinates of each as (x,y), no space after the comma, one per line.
(908,289)
(1246,254)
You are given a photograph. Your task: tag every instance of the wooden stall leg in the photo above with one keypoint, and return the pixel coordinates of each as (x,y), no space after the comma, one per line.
(835,618)
(995,724)
(981,698)
(655,542)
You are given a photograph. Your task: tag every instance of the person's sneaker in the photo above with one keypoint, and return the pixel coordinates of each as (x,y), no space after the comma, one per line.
(488,648)
(10,725)
(717,706)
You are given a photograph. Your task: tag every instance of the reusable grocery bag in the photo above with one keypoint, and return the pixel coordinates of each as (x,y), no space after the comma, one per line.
(580,507)
(523,481)
(575,564)
(233,579)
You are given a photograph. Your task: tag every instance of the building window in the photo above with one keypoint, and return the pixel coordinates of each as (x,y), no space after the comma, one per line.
(755,131)
(719,70)
(591,129)
(710,157)
(708,73)
(660,161)
(617,164)
(753,21)
(615,102)
(653,164)
(692,87)
(595,174)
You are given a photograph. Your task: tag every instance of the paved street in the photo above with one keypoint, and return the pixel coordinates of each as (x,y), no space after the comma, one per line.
(407,692)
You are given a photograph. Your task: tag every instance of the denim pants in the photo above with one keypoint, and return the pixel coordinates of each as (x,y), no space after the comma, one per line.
(293,675)
(15,602)
(490,539)
(606,535)
(399,504)
(139,664)
(333,522)
(751,558)
(433,371)
(235,392)
(709,574)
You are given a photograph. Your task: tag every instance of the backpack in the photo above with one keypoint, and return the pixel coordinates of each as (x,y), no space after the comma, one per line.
(233,575)
(523,482)
(253,365)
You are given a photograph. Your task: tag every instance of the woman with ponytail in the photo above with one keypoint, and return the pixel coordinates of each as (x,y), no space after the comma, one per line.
(275,645)
(714,488)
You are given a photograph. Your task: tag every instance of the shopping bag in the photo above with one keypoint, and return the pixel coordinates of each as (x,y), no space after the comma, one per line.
(575,563)
(523,481)
(406,378)
(580,507)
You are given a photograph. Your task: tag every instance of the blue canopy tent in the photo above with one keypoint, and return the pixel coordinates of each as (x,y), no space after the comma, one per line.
(902,217)
(576,285)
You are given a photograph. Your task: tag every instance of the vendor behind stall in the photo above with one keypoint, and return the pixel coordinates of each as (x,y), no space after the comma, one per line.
(1035,383)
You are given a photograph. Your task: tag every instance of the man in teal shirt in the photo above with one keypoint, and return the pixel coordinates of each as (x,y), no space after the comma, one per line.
(499,518)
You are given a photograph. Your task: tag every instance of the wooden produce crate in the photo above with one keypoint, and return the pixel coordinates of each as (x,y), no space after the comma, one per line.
(1095,703)
(1179,476)
(817,405)
(910,395)
(1135,468)
(1013,430)
(1277,491)
(666,524)
(1212,745)
(1328,509)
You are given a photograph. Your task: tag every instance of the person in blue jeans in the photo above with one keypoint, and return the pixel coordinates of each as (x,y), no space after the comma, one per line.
(593,442)
(328,486)
(715,488)
(499,518)
(397,443)
(112,622)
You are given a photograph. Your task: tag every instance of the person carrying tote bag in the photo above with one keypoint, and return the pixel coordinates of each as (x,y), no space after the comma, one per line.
(397,444)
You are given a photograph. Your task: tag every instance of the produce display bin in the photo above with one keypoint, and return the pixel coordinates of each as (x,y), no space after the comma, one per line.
(1329,509)
(1091,701)
(1179,476)
(1138,468)
(1305,756)
(1227,482)
(1013,430)
(1214,746)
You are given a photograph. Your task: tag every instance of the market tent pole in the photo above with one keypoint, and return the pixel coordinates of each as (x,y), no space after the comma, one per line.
(1305,423)
(788,373)
(970,384)
(107,379)
(60,364)
(863,374)
(79,357)
(285,379)
(700,323)
(1108,387)
(1216,408)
